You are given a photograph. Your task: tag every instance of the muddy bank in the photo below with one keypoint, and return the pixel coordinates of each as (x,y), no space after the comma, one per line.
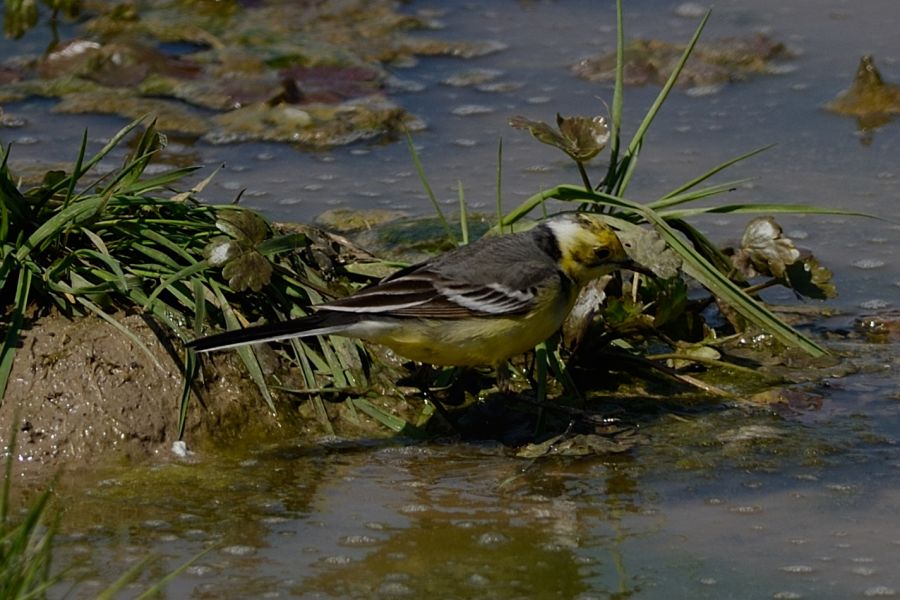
(82,392)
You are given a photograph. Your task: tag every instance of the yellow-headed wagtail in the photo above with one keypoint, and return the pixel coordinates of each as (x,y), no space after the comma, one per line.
(478,304)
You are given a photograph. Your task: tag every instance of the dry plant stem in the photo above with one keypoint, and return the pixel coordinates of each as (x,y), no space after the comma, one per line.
(706,361)
(753,289)
(691,381)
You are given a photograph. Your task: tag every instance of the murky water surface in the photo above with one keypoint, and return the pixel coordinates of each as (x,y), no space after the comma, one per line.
(723,502)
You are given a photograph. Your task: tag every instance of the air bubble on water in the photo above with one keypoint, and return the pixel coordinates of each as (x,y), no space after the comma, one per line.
(199,570)
(239,550)
(492,539)
(880,591)
(874,304)
(868,263)
(358,540)
(395,588)
(746,509)
(466,110)
(797,569)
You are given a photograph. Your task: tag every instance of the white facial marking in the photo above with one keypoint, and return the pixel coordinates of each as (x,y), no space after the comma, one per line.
(566,231)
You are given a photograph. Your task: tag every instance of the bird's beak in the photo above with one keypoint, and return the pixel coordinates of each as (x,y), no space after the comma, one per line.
(630,265)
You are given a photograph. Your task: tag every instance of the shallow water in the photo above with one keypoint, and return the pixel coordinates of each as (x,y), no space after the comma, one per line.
(726,502)
(718,502)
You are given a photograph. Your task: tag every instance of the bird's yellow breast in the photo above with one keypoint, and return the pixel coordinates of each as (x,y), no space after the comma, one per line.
(474,341)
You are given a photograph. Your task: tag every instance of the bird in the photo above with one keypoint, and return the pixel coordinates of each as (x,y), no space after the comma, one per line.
(479,304)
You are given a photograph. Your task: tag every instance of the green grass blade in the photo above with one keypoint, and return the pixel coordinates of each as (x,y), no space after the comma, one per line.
(14,326)
(145,186)
(156,257)
(662,202)
(703,245)
(126,578)
(156,590)
(245,353)
(4,223)
(541,360)
(392,422)
(191,366)
(527,206)
(101,154)
(500,182)
(638,139)
(176,276)
(618,100)
(766,208)
(75,214)
(167,243)
(76,170)
(122,329)
(10,196)
(692,196)
(282,243)
(429,192)
(199,291)
(7,472)
(463,215)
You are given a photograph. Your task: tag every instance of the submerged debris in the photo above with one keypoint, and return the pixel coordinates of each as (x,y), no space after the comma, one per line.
(869,98)
(296,72)
(711,65)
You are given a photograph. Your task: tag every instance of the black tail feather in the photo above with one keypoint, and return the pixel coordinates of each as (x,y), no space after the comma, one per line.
(324,322)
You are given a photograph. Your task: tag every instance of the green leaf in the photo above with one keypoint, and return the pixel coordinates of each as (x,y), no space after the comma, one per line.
(251,270)
(242,225)
(581,138)
(808,278)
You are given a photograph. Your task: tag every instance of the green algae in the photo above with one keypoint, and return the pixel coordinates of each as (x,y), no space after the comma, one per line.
(308,74)
(712,64)
(871,100)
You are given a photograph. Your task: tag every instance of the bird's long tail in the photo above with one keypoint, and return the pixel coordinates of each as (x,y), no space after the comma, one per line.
(323,323)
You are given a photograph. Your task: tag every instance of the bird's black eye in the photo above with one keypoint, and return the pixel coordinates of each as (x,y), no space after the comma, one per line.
(602,253)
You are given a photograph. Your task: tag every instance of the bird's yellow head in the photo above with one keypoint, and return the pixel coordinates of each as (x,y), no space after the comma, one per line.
(588,246)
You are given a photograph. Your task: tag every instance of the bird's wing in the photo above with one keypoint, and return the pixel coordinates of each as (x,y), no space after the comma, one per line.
(429,294)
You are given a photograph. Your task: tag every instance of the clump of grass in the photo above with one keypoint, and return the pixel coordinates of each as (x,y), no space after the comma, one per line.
(126,241)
